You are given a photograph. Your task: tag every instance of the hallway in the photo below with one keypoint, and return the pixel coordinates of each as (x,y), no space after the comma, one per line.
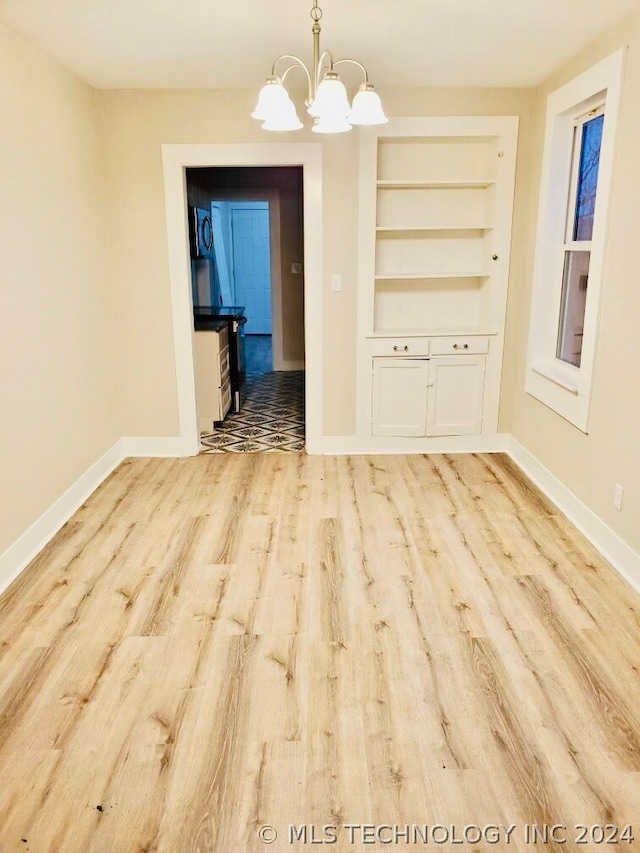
(272,413)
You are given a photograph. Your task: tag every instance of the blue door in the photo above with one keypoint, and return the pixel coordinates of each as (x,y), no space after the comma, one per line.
(252,264)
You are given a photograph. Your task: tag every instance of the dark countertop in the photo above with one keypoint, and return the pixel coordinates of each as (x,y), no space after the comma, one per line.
(210,324)
(207,317)
(218,311)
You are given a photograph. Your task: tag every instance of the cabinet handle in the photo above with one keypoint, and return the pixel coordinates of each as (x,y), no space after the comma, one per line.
(396,348)
(495,257)
(461,346)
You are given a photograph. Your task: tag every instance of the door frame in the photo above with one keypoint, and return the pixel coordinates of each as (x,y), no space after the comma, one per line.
(176,158)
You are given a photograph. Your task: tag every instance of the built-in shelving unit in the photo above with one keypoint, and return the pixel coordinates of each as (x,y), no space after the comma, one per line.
(436,197)
(424,276)
(481,182)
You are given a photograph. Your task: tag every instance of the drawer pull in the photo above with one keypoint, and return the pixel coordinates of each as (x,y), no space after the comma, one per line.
(396,348)
(461,346)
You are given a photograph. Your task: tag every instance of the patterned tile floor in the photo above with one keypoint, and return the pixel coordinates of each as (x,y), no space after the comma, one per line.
(271,417)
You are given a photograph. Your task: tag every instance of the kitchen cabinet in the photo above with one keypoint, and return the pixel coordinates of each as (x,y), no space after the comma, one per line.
(433,396)
(436,200)
(212,375)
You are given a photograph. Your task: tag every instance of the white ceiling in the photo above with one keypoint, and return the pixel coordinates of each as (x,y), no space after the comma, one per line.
(213,44)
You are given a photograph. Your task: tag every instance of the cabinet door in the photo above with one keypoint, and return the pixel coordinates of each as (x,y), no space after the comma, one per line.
(455,395)
(400,396)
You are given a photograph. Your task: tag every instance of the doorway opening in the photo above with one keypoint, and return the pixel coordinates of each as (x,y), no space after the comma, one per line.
(176,159)
(254,272)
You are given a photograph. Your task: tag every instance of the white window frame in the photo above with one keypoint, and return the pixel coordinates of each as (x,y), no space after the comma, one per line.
(563,387)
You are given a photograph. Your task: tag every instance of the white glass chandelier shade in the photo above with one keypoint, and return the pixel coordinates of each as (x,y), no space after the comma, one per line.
(331,99)
(367,107)
(327,100)
(285,120)
(273,98)
(331,125)
(275,108)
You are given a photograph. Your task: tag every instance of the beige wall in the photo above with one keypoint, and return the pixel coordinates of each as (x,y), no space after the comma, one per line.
(590,465)
(135,125)
(56,390)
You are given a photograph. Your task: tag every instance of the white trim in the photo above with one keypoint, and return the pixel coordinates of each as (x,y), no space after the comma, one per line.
(556,386)
(554,373)
(18,556)
(338,445)
(137,445)
(175,159)
(614,549)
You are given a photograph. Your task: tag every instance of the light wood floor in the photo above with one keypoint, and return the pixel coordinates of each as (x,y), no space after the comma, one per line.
(217,643)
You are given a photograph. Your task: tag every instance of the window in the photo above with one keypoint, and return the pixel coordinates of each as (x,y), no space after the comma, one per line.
(574,199)
(587,142)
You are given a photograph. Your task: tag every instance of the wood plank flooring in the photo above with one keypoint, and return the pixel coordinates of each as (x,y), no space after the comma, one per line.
(215,644)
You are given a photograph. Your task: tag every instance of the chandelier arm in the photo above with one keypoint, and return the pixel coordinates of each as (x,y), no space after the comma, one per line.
(326,55)
(296,63)
(354,62)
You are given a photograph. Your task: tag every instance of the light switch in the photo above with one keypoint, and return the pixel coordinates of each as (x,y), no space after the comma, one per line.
(336,282)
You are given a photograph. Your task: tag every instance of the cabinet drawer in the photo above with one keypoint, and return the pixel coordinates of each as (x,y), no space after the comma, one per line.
(223,338)
(225,365)
(462,345)
(225,397)
(400,346)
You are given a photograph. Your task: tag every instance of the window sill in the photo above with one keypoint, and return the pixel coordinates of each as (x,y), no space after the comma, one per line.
(557,375)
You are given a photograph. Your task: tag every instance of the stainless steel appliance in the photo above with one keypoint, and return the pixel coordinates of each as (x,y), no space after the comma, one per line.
(201,233)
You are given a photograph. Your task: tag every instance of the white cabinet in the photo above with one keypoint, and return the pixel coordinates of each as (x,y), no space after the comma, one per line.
(400,396)
(428,397)
(212,376)
(455,395)
(436,199)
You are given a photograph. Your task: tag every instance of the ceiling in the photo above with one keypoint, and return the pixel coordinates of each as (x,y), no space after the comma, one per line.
(216,44)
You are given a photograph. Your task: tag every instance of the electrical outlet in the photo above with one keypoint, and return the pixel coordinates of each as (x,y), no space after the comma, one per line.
(336,282)
(296,269)
(617,496)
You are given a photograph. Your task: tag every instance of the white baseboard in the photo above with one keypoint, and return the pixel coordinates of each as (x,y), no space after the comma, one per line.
(353,445)
(614,549)
(33,540)
(621,556)
(157,446)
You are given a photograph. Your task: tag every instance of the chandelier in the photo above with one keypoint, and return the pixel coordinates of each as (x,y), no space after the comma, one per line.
(327,101)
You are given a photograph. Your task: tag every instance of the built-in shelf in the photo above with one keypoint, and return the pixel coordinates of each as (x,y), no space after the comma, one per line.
(440,332)
(427,228)
(428,275)
(436,196)
(480,183)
